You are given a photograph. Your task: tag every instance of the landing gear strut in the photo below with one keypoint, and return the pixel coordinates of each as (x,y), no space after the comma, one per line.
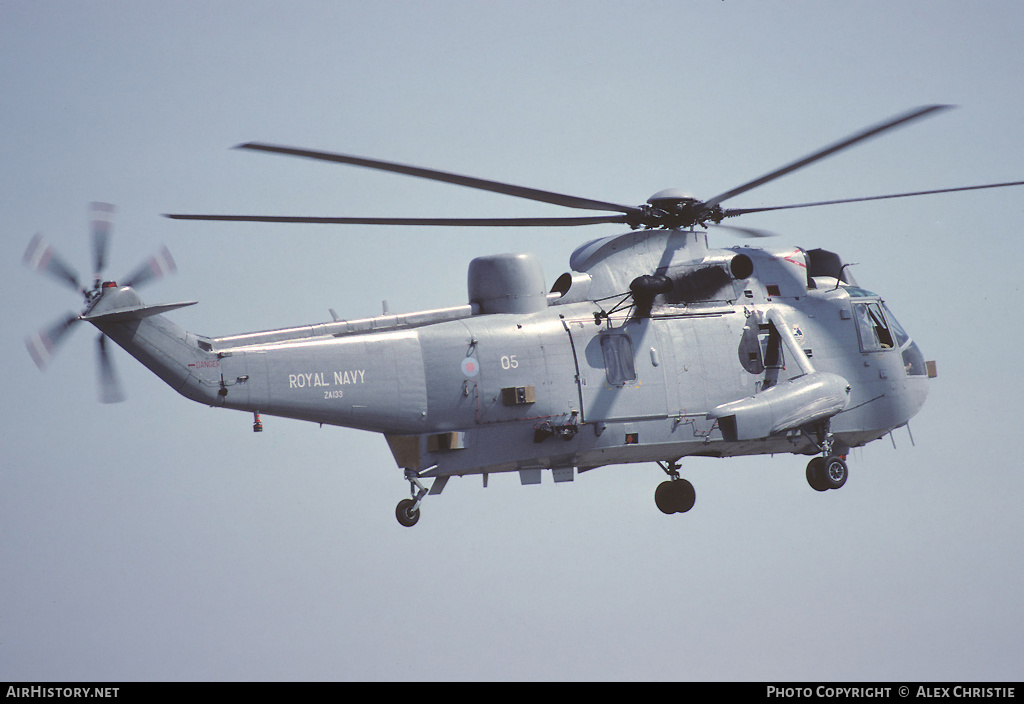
(675,495)
(408,510)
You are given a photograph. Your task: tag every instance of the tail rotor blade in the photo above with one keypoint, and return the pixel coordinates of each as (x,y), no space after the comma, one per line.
(101,217)
(156,267)
(42,345)
(42,257)
(110,388)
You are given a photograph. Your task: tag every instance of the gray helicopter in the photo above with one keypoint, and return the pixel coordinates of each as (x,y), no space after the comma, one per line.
(653,347)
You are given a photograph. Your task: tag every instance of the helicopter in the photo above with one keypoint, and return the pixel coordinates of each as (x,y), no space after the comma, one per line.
(653,347)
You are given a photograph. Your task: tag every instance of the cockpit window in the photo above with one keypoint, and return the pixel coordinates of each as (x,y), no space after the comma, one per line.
(874,331)
(902,337)
(913,360)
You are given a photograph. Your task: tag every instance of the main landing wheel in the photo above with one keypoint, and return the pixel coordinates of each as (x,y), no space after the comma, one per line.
(816,474)
(675,496)
(824,473)
(835,472)
(406,513)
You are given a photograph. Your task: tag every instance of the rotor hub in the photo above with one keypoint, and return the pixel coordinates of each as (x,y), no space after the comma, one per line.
(674,208)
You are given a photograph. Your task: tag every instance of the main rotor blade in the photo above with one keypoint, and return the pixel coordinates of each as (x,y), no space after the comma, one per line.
(41,345)
(101,217)
(110,387)
(41,256)
(457,179)
(156,267)
(451,222)
(829,150)
(744,231)
(743,211)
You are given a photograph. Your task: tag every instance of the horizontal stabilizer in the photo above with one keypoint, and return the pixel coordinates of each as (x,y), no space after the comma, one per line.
(134,312)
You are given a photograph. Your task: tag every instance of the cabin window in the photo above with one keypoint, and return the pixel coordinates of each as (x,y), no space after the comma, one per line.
(872,327)
(617,351)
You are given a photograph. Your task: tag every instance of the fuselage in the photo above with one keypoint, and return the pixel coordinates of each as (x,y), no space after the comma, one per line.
(563,380)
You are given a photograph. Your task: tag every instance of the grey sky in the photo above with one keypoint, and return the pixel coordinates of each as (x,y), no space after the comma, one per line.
(159,539)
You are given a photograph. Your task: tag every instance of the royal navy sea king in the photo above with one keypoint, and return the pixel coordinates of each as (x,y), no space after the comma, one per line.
(655,346)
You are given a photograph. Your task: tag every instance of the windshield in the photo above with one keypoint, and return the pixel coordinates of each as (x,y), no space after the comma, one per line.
(913,359)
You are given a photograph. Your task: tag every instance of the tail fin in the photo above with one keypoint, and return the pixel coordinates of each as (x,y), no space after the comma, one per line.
(175,355)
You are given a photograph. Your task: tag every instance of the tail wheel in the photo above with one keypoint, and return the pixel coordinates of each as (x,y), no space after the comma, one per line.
(407,513)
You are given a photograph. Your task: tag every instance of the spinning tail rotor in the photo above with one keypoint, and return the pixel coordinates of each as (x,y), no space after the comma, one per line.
(43,257)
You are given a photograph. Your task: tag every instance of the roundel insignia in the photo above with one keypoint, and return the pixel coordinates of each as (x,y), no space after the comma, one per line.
(470,367)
